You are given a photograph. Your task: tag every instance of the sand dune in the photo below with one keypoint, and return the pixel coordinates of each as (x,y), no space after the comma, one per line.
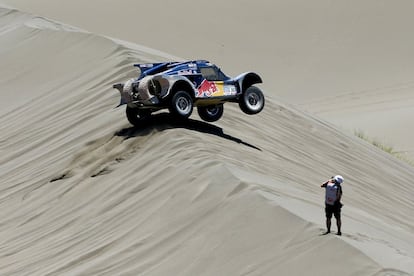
(84,193)
(325,56)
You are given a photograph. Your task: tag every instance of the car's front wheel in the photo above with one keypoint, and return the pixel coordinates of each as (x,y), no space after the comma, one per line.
(137,116)
(252,100)
(210,113)
(181,105)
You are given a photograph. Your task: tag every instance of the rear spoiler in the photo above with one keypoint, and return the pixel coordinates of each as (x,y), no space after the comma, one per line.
(145,66)
(149,68)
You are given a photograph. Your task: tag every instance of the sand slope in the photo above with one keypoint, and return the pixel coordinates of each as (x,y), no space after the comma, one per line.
(350,63)
(84,193)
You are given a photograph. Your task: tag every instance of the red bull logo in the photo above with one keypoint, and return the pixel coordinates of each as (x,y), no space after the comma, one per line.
(206,89)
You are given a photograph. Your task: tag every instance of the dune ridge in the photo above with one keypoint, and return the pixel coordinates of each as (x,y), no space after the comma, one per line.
(84,193)
(350,63)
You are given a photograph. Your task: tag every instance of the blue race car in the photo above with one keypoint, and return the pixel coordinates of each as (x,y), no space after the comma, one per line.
(180,86)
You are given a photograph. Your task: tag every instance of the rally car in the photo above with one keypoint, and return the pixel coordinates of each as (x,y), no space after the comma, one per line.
(180,86)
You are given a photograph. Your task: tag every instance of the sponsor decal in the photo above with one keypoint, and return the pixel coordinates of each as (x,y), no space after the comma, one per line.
(186,72)
(206,89)
(230,90)
(215,89)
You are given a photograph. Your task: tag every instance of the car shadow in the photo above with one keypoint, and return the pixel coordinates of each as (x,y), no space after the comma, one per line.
(164,121)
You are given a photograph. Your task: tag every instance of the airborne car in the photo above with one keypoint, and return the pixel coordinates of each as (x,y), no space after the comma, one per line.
(180,86)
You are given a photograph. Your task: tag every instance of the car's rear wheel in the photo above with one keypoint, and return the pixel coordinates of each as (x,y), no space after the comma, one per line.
(210,113)
(181,105)
(137,116)
(252,100)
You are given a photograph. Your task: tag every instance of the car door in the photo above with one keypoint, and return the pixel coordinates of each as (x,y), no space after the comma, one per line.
(214,84)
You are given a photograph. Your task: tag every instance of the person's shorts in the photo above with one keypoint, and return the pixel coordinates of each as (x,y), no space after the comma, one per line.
(333,210)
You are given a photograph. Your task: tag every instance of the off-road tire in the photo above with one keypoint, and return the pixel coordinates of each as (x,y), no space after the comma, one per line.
(181,105)
(210,113)
(136,116)
(252,100)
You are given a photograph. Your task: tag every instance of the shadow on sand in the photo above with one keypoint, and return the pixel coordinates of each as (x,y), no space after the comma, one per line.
(165,121)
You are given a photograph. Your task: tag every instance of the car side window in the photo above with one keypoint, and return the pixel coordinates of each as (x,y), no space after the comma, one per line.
(209,73)
(221,75)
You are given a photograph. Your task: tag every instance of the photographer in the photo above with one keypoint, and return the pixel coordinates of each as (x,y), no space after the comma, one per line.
(333,205)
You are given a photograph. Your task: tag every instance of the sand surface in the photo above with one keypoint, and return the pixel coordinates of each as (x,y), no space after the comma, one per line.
(84,193)
(333,59)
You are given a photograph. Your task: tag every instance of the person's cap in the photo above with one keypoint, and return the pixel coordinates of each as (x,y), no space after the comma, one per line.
(339,179)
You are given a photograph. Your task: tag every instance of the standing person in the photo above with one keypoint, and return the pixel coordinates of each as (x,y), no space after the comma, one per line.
(333,205)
